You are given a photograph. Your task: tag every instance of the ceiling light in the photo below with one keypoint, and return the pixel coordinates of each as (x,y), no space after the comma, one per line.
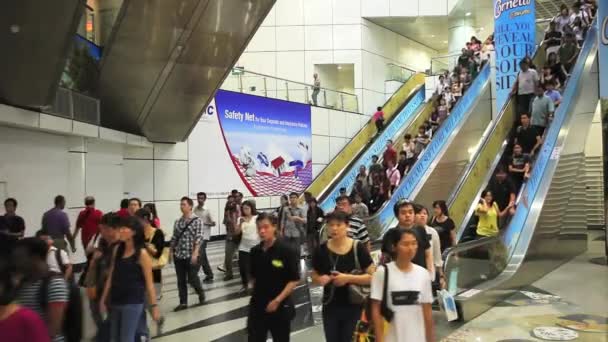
(339,67)
(468,14)
(481,28)
(432,36)
(445,42)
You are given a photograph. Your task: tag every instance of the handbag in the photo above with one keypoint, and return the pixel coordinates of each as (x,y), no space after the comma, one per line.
(357,294)
(163,260)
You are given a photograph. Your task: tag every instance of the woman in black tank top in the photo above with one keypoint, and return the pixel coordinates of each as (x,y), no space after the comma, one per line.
(129,280)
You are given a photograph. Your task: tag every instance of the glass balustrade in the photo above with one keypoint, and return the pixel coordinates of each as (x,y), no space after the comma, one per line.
(398,73)
(253,83)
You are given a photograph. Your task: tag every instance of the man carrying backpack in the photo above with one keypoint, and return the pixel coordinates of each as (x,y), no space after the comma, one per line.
(47,293)
(57,259)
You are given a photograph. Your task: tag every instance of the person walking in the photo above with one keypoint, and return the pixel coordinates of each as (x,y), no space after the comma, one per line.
(314,221)
(88,221)
(232,213)
(208,222)
(404,290)
(130,279)
(12,224)
(56,223)
(444,225)
(275,273)
(249,239)
(294,223)
(185,245)
(337,264)
(316,88)
(154,243)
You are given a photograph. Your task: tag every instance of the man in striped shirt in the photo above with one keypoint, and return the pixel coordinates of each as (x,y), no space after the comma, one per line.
(356,228)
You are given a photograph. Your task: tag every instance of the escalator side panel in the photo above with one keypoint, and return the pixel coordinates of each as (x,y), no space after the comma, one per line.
(34,57)
(451,165)
(341,162)
(347,180)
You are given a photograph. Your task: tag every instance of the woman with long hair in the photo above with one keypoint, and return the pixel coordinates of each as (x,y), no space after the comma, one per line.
(338,263)
(249,239)
(130,279)
(444,225)
(151,207)
(488,213)
(154,242)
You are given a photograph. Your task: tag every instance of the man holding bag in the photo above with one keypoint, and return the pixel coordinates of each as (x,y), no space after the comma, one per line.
(185,244)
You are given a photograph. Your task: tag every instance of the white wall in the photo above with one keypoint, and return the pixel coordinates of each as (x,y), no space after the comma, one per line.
(297,34)
(405,8)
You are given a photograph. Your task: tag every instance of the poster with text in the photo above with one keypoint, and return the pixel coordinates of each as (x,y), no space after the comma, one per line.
(515,38)
(268,142)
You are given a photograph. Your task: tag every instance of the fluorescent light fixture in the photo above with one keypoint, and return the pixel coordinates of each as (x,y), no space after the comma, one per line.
(432,36)
(468,14)
(339,67)
(445,42)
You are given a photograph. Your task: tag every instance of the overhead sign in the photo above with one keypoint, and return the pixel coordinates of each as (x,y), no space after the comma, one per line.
(514,38)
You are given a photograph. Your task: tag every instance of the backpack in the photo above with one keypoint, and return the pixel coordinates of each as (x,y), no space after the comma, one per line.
(72,320)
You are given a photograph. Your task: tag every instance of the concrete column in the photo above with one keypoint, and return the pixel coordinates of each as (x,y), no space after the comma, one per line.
(460,32)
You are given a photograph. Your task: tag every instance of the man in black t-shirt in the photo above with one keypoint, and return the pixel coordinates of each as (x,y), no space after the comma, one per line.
(275,273)
(504,191)
(405,212)
(519,167)
(527,136)
(10,223)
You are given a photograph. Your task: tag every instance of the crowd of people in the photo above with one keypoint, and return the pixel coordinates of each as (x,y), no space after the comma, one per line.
(537,97)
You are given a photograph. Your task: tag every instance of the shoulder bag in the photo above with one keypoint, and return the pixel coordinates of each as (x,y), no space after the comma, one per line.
(163,260)
(357,294)
(179,236)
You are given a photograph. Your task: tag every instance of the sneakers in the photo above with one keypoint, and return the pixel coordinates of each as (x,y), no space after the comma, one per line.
(201,299)
(180,307)
(221,269)
(208,280)
(228,277)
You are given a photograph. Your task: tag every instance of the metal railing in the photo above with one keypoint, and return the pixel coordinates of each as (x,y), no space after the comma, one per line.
(75,106)
(249,82)
(439,64)
(398,73)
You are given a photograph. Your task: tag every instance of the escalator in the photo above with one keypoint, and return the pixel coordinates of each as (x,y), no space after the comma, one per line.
(164,61)
(403,108)
(549,225)
(438,167)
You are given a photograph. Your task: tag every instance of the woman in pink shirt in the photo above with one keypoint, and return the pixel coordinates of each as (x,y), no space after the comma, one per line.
(378,118)
(18,324)
(393,175)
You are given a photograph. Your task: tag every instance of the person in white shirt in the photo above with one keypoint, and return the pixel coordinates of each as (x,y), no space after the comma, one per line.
(57,259)
(407,296)
(563,19)
(422,218)
(249,239)
(441,85)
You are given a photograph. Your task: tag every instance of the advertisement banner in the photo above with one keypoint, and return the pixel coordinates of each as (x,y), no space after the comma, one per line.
(249,142)
(602,21)
(514,37)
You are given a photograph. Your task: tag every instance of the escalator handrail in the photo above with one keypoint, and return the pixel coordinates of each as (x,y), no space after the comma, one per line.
(322,196)
(410,174)
(466,246)
(423,174)
(563,109)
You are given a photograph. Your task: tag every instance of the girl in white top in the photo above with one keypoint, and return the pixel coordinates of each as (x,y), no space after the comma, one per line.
(422,218)
(249,239)
(408,295)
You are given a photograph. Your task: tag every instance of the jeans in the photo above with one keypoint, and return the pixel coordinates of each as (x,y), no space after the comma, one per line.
(245,267)
(231,248)
(124,320)
(523,105)
(203,260)
(315,94)
(187,273)
(260,323)
(339,322)
(379,125)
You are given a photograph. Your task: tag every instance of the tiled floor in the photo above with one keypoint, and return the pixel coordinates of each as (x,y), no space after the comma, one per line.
(575,293)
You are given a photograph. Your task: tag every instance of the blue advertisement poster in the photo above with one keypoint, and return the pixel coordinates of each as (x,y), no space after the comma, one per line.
(602,20)
(514,37)
(269,142)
